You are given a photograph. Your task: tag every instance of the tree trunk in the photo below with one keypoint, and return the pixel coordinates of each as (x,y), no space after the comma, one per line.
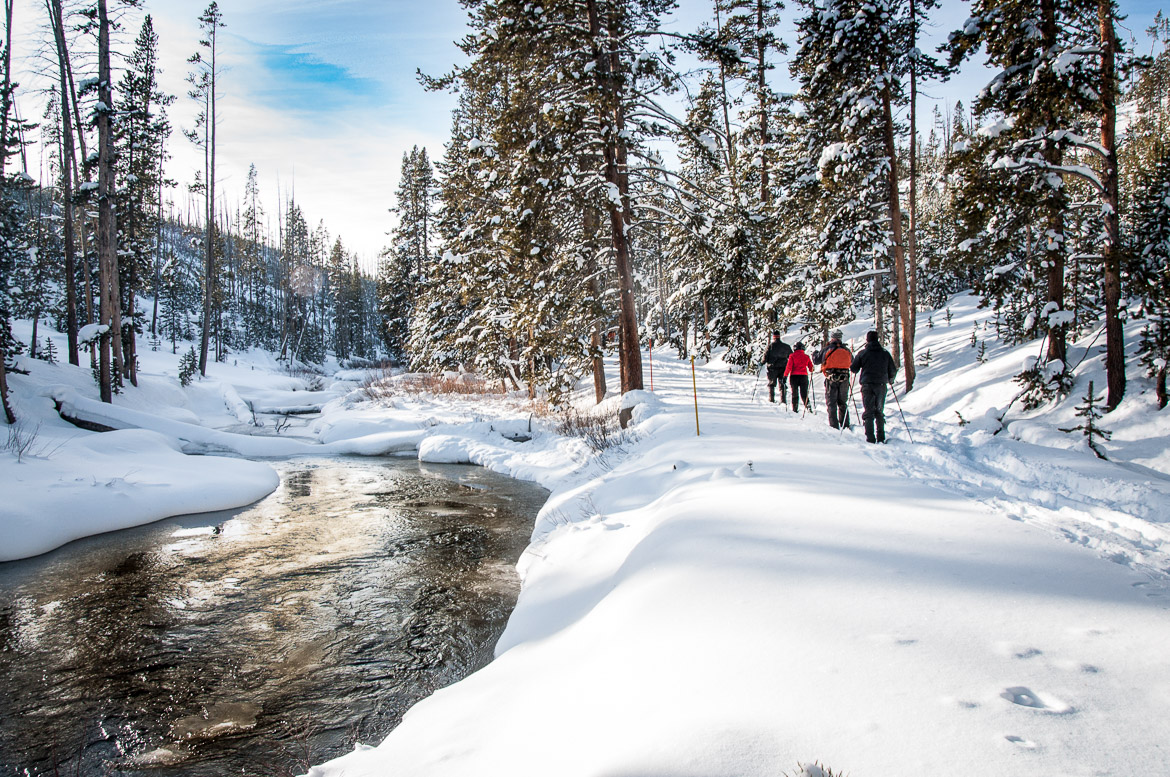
(111,315)
(209,258)
(762,100)
(611,115)
(592,224)
(899,247)
(5,101)
(912,244)
(68,170)
(1054,250)
(1114,336)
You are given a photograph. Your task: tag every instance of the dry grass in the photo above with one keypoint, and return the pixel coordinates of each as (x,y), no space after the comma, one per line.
(381,385)
(600,430)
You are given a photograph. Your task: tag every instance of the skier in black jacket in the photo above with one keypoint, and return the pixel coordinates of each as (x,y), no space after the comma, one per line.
(878,370)
(776,358)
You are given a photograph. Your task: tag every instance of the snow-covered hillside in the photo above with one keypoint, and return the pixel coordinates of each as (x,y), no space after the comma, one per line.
(764,594)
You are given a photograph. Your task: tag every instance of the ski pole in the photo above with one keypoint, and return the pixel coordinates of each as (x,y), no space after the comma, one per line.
(756,385)
(856,412)
(899,403)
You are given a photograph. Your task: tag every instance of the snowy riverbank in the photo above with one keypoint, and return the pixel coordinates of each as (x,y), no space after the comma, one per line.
(773,592)
(768,593)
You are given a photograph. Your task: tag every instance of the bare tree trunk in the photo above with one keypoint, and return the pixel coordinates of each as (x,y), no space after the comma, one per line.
(899,247)
(209,255)
(762,101)
(5,102)
(1054,251)
(68,169)
(912,245)
(611,114)
(592,224)
(1114,336)
(111,315)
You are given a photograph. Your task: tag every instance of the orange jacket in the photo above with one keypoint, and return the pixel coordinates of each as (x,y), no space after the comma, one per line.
(837,358)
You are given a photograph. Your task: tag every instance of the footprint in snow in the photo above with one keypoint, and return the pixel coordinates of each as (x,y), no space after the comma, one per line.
(1026,744)
(1026,697)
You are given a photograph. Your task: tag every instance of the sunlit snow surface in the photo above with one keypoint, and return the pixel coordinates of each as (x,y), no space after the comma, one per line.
(774,593)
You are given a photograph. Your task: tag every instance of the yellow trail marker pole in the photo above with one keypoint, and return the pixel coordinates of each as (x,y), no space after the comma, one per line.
(695,386)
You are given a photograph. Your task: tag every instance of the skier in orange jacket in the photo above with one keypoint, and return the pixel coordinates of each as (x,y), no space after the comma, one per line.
(835,360)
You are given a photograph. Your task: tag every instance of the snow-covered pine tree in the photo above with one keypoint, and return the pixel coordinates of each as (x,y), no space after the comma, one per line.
(440,311)
(1057,82)
(850,63)
(140,140)
(405,263)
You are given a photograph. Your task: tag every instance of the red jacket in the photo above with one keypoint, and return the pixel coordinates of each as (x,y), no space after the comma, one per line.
(798,364)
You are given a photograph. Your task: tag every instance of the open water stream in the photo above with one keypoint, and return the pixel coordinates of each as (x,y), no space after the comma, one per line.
(261,640)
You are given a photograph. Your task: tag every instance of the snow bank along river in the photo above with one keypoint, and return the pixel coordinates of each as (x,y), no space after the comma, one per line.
(259,640)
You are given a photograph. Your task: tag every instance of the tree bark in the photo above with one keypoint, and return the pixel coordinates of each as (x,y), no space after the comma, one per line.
(899,247)
(1054,250)
(68,170)
(1114,336)
(611,115)
(5,101)
(110,343)
(209,259)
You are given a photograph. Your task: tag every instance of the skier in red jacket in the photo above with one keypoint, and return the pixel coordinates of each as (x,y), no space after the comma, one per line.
(797,371)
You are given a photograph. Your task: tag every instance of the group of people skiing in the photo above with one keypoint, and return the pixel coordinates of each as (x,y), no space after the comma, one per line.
(792,368)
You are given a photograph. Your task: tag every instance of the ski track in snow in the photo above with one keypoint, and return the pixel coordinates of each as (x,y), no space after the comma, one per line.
(1121,516)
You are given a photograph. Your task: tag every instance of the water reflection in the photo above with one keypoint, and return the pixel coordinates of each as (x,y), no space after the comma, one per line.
(260,641)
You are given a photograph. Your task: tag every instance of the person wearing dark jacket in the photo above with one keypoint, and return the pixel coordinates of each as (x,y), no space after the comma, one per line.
(878,370)
(835,361)
(777,359)
(797,371)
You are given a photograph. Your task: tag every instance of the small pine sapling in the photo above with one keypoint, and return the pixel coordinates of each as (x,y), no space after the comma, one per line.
(924,358)
(48,351)
(974,333)
(949,314)
(930,321)
(188,366)
(1091,412)
(981,355)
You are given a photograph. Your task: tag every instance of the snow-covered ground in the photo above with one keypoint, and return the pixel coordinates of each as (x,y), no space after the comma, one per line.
(765,594)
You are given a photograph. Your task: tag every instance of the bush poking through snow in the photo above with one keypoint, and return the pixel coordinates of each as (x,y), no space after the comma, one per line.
(815,770)
(600,431)
(381,385)
(22,441)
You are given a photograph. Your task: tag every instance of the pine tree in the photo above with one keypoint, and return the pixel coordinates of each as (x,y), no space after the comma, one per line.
(204,82)
(1090,411)
(142,132)
(1059,65)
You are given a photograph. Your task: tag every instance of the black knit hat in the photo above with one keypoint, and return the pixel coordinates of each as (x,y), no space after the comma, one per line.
(871,336)
(799,346)
(775,333)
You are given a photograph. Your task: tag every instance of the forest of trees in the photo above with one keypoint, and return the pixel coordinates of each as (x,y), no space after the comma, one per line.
(608,183)
(101,252)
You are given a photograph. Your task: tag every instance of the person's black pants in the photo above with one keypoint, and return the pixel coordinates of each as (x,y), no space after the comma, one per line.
(873,403)
(774,377)
(799,390)
(837,400)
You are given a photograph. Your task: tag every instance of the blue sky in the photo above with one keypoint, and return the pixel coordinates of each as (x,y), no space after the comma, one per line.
(322,95)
